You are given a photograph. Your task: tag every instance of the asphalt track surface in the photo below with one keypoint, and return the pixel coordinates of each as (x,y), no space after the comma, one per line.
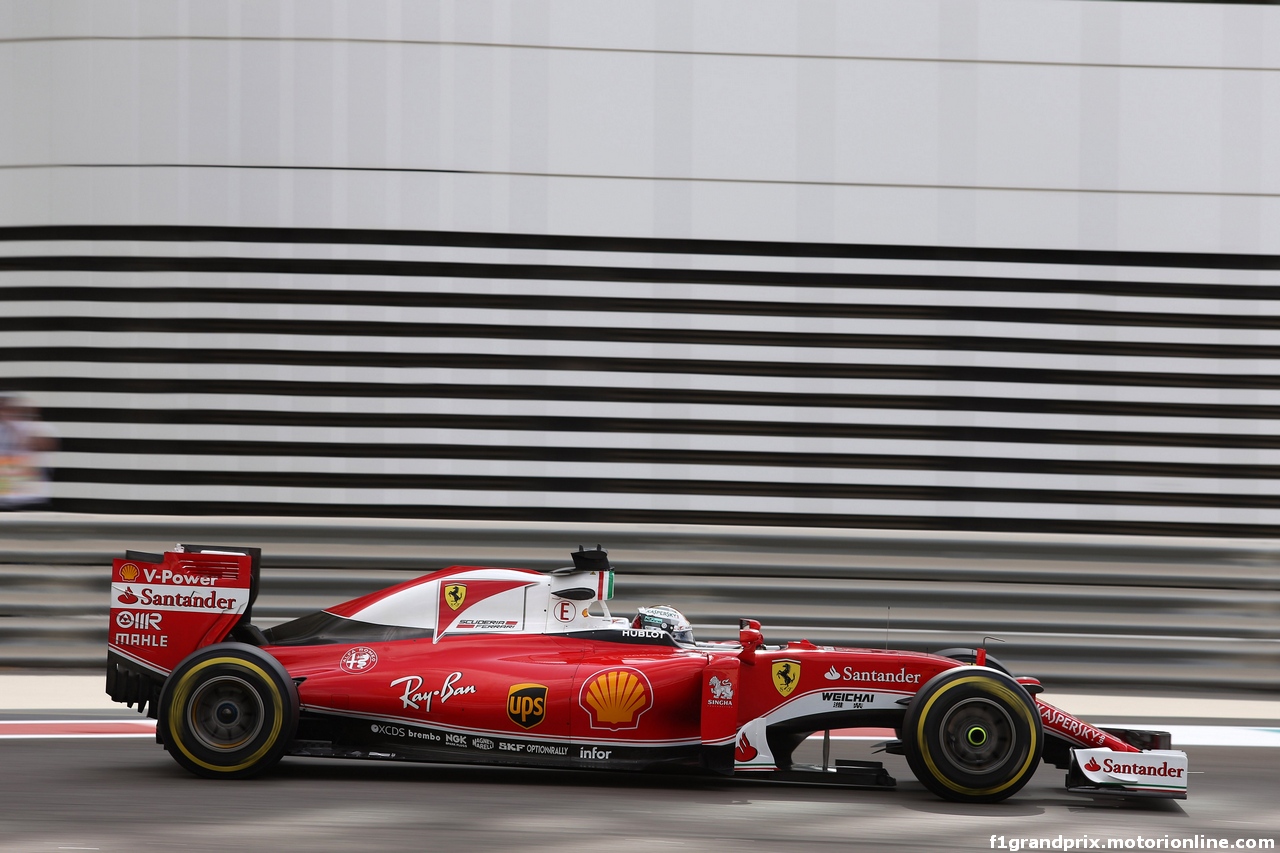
(126,794)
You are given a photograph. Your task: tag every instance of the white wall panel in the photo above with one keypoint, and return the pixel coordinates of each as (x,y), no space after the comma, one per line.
(877,128)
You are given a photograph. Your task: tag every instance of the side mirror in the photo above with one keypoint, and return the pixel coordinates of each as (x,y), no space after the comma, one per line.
(751,638)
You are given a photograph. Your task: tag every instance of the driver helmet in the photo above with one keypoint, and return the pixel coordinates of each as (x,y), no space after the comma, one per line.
(665,618)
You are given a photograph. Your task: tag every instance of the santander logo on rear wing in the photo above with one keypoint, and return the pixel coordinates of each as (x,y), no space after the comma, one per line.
(165,606)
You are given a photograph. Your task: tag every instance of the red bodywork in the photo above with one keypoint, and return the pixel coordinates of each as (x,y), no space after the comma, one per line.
(473,664)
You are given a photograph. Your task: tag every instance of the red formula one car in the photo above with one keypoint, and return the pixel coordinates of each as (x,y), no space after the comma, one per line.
(517,667)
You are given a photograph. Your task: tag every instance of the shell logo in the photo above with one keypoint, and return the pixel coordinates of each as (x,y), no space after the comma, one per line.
(128,572)
(616,698)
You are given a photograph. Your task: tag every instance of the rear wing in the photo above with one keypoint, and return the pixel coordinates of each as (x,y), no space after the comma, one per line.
(166,606)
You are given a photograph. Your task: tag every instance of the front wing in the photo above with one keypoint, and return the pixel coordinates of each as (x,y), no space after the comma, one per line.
(1151,773)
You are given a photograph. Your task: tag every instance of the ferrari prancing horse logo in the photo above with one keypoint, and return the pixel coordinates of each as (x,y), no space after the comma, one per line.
(786,675)
(455,594)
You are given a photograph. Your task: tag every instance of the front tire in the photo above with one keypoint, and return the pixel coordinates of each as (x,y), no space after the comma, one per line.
(970,656)
(228,711)
(972,735)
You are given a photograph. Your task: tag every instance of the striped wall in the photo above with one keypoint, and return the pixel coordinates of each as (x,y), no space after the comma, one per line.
(1001,265)
(453,375)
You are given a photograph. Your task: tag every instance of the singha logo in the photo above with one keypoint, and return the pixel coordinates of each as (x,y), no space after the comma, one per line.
(721,688)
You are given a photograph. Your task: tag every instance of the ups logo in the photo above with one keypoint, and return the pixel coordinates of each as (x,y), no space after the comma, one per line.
(527,704)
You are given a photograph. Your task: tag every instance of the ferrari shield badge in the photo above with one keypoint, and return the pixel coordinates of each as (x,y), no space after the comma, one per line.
(786,675)
(455,594)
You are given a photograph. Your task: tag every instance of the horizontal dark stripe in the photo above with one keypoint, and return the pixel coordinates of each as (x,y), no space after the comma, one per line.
(597,515)
(551,302)
(656,456)
(655,245)
(845,281)
(900,373)
(537,302)
(645,486)
(431,269)
(918,342)
(658,396)
(582,422)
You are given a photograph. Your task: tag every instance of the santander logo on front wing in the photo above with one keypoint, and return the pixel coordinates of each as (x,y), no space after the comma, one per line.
(1156,769)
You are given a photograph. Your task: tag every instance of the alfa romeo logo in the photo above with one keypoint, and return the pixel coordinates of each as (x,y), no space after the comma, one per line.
(359,659)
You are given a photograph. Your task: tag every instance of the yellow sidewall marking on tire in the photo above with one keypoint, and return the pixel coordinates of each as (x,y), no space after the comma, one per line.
(1004,693)
(183,691)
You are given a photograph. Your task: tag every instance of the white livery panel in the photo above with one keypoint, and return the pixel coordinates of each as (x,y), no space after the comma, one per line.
(1157,772)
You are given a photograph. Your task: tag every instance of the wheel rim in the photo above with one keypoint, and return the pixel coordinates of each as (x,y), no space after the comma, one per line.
(978,735)
(226,713)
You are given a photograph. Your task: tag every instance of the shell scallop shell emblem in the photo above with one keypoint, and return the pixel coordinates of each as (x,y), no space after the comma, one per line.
(615,698)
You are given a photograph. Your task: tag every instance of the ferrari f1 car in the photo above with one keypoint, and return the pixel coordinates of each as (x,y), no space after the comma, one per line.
(517,667)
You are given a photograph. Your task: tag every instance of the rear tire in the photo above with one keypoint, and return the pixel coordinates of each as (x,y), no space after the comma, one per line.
(228,711)
(972,735)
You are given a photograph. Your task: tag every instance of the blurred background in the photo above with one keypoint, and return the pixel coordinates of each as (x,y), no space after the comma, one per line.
(896,321)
